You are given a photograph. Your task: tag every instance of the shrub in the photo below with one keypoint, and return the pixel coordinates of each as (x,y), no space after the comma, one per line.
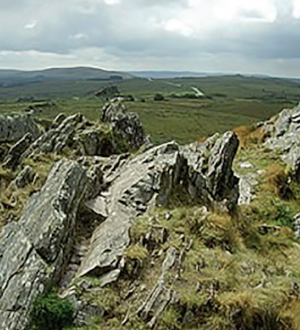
(135,256)
(276,180)
(130,98)
(51,312)
(273,211)
(158,97)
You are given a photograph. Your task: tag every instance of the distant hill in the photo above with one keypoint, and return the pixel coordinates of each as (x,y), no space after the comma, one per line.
(187,74)
(10,78)
(171,74)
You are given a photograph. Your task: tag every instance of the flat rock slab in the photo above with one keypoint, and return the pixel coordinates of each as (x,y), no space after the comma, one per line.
(98,205)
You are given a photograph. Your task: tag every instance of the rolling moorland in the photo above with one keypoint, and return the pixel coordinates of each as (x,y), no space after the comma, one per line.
(108,233)
(228,102)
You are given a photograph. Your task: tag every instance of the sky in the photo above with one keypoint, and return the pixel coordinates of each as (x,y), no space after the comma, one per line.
(229,36)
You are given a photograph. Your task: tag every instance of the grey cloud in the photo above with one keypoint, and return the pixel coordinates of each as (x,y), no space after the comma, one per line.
(127,30)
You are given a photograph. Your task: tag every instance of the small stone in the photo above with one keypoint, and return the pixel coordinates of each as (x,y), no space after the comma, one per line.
(246,165)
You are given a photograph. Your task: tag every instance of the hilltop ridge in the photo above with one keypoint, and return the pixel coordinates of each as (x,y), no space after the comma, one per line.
(108,232)
(17,77)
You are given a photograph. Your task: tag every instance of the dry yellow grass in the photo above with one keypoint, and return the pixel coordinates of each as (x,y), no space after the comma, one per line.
(249,135)
(275,180)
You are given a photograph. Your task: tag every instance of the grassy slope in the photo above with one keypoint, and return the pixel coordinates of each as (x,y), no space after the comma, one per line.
(229,258)
(232,277)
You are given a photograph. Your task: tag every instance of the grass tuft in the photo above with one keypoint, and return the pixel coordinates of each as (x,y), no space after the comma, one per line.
(249,136)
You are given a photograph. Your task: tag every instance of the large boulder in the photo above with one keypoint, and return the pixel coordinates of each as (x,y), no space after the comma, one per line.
(55,140)
(35,250)
(14,127)
(124,124)
(284,136)
(160,175)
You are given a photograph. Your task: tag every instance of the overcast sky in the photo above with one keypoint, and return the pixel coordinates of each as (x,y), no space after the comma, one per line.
(247,36)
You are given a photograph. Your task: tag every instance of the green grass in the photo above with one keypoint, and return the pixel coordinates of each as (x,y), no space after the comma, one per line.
(232,101)
(217,286)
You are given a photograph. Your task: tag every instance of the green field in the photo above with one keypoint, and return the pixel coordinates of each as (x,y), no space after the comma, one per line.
(229,101)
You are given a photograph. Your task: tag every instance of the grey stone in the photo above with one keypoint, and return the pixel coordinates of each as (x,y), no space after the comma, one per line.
(160,296)
(59,119)
(247,186)
(55,206)
(163,172)
(90,142)
(124,124)
(15,152)
(296,221)
(284,135)
(98,205)
(55,140)
(246,165)
(122,132)
(220,175)
(25,177)
(110,277)
(34,250)
(95,181)
(14,127)
(283,122)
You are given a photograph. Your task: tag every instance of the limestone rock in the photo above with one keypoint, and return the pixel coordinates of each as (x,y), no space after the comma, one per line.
(164,172)
(34,250)
(121,132)
(59,119)
(14,127)
(55,140)
(246,165)
(14,154)
(247,186)
(284,135)
(25,177)
(296,221)
(95,181)
(220,175)
(160,296)
(124,124)
(98,205)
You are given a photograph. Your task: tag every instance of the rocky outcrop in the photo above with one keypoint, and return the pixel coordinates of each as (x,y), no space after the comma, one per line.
(25,177)
(125,125)
(121,132)
(14,127)
(219,174)
(35,250)
(112,192)
(160,296)
(296,221)
(247,185)
(284,135)
(16,151)
(108,92)
(160,175)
